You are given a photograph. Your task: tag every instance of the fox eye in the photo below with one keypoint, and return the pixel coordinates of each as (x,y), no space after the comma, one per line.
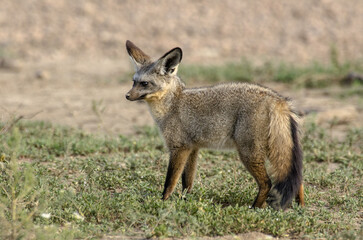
(144,84)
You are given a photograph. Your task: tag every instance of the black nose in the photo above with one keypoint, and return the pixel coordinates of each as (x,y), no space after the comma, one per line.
(128,96)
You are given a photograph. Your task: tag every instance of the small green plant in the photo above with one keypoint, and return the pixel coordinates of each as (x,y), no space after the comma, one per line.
(334,57)
(19,201)
(98,108)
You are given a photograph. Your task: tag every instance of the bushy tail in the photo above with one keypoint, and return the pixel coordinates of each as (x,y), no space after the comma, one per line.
(285,155)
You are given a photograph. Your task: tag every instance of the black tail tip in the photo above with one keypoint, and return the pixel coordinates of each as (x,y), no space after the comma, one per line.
(282,193)
(274,200)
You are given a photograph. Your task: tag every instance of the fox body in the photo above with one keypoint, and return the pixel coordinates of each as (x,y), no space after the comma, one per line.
(255,120)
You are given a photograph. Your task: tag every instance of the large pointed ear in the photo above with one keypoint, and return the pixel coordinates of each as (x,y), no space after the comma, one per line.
(168,64)
(138,57)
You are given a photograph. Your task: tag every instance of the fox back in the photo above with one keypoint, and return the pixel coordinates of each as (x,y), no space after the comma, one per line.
(255,120)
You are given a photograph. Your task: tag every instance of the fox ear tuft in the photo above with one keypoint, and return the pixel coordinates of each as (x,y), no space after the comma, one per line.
(168,64)
(138,57)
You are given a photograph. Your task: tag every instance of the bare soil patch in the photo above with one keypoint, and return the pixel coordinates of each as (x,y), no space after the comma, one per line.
(87,94)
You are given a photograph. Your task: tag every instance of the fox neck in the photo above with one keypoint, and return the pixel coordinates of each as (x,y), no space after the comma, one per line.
(161,102)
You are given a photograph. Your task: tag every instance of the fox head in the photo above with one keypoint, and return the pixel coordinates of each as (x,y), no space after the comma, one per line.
(153,80)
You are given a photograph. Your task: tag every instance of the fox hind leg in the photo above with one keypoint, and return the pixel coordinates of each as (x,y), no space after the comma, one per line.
(256,166)
(259,172)
(300,196)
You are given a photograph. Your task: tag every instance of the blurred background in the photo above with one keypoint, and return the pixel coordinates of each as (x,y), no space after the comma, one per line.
(298,31)
(65,61)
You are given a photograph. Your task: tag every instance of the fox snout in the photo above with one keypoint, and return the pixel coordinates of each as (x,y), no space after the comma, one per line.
(128,96)
(133,95)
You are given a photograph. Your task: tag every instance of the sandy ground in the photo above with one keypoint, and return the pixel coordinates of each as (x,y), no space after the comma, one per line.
(88,95)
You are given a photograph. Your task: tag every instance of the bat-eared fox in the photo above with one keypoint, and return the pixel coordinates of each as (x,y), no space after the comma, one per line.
(259,123)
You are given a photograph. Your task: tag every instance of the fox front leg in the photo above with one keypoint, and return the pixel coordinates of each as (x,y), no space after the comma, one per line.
(178,159)
(189,171)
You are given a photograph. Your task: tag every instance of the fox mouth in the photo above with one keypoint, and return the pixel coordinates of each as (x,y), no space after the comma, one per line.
(128,97)
(142,97)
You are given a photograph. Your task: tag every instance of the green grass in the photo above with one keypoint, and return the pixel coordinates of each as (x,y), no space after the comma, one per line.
(95,185)
(314,75)
(238,71)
